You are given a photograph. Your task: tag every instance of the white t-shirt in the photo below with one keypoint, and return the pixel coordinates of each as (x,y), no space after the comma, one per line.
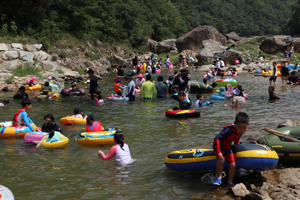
(218,64)
(222,64)
(78,115)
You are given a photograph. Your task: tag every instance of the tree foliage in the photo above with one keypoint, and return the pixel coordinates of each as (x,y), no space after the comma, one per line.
(134,20)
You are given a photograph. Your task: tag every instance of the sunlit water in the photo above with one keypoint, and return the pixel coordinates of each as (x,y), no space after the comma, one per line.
(76,172)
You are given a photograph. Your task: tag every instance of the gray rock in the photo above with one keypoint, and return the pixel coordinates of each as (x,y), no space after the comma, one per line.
(205,68)
(240,190)
(41,55)
(209,47)
(117,60)
(166,46)
(10,55)
(13,64)
(49,65)
(99,43)
(3,47)
(26,55)
(193,39)
(274,44)
(38,46)
(89,44)
(17,46)
(30,48)
(230,55)
(233,36)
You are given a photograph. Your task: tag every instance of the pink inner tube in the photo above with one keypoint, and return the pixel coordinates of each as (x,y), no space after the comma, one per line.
(34,137)
(158,71)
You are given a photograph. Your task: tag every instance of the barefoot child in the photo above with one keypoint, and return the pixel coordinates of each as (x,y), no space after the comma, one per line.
(222,146)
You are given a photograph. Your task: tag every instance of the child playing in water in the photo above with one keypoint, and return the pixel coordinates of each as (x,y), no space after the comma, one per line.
(48,118)
(53,135)
(272,95)
(222,146)
(198,103)
(93,125)
(98,97)
(78,113)
(31,81)
(184,101)
(22,116)
(5,102)
(274,75)
(120,151)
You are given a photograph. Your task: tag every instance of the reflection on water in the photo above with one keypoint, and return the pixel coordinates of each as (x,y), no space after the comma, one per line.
(76,172)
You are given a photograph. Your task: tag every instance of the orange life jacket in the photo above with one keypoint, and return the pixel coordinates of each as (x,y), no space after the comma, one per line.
(15,120)
(117,87)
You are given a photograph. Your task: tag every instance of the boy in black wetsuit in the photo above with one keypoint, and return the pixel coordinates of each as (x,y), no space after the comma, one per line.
(184,101)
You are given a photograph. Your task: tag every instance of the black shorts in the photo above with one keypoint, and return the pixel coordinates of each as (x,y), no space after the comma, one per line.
(273,78)
(284,71)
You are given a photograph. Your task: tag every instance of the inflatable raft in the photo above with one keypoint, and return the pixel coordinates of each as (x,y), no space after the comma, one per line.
(223,82)
(5,193)
(52,95)
(200,87)
(68,92)
(182,113)
(70,120)
(248,156)
(35,87)
(34,137)
(285,150)
(56,143)
(217,97)
(6,130)
(97,138)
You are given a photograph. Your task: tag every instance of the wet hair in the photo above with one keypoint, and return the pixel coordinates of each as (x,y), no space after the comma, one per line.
(119,138)
(293,73)
(90,120)
(199,96)
(47,84)
(148,77)
(50,116)
(6,101)
(181,93)
(160,78)
(242,117)
(51,126)
(272,88)
(274,63)
(214,84)
(25,102)
(205,80)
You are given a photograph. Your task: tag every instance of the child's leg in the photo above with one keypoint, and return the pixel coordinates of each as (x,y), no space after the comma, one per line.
(220,163)
(231,172)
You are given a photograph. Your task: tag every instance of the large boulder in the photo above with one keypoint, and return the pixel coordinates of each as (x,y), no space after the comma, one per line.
(230,55)
(41,55)
(49,65)
(26,55)
(193,39)
(209,47)
(274,44)
(38,46)
(233,36)
(152,44)
(10,55)
(205,68)
(13,64)
(30,48)
(164,46)
(117,60)
(16,46)
(3,47)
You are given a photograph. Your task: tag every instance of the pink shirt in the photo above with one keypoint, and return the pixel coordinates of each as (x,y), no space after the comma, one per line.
(122,156)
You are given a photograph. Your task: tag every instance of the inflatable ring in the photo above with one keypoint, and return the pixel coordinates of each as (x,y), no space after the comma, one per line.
(35,87)
(200,87)
(182,113)
(52,96)
(248,156)
(55,144)
(5,193)
(70,120)
(34,137)
(97,138)
(67,92)
(286,150)
(9,131)
(217,97)
(223,82)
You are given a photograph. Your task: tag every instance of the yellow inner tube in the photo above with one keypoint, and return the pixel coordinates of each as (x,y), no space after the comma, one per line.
(51,145)
(35,87)
(10,131)
(70,120)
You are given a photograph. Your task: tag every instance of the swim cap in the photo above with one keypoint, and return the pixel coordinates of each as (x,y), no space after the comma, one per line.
(49,77)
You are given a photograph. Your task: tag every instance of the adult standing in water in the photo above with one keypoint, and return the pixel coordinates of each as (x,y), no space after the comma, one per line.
(130,88)
(93,83)
(290,50)
(134,63)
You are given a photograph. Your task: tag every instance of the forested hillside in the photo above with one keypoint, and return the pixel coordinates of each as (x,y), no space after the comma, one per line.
(130,21)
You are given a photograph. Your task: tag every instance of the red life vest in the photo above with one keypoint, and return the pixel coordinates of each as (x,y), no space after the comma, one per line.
(95,127)
(15,120)
(116,87)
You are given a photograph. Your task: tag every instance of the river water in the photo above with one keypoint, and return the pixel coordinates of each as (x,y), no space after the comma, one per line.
(76,172)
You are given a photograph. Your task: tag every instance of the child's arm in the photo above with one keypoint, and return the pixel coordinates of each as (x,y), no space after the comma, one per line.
(122,87)
(26,120)
(112,152)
